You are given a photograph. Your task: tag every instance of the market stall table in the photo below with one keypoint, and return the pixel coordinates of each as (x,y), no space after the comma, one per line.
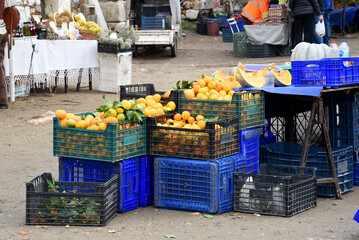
(305,99)
(43,62)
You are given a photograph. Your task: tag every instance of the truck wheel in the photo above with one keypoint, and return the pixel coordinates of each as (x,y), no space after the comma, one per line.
(174,48)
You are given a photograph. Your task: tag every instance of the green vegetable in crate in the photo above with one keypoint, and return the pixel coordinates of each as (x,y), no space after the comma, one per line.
(58,209)
(305,51)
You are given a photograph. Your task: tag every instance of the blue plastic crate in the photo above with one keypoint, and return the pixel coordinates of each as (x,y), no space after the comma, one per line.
(79,170)
(330,72)
(193,185)
(239,161)
(222,19)
(146,181)
(356,217)
(249,145)
(227,35)
(267,136)
(345,185)
(356,174)
(153,23)
(287,153)
(129,184)
(240,24)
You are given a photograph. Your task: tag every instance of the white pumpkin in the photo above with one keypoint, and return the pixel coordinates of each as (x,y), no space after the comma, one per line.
(306,51)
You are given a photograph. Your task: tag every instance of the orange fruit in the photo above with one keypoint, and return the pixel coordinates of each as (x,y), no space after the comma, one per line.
(171,105)
(146,112)
(191,120)
(126,104)
(222,93)
(152,112)
(230,93)
(110,120)
(189,93)
(219,86)
(167,94)
(196,87)
(157,98)
(186,115)
(119,110)
(177,117)
(141,105)
(141,100)
(213,97)
(121,117)
(71,123)
(150,102)
(81,124)
(69,115)
(93,121)
(149,97)
(76,118)
(200,96)
(227,87)
(159,111)
(212,84)
(201,83)
(202,90)
(95,127)
(102,126)
(199,117)
(61,114)
(63,122)
(201,124)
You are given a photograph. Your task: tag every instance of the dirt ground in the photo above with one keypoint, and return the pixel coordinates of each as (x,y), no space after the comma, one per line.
(26,151)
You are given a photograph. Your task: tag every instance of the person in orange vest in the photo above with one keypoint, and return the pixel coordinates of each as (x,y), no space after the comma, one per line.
(253,11)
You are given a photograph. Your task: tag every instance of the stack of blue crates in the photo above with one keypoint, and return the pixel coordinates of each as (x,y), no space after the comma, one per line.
(204,186)
(135,178)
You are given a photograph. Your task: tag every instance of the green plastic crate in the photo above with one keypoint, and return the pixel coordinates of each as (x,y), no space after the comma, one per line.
(249,106)
(120,141)
(240,44)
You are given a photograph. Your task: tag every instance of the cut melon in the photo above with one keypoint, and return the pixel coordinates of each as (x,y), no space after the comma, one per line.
(219,75)
(283,78)
(255,80)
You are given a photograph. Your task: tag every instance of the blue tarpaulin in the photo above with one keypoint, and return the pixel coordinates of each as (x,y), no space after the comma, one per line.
(301,91)
(336,16)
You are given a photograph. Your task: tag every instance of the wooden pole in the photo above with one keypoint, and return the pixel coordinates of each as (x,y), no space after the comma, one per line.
(343,17)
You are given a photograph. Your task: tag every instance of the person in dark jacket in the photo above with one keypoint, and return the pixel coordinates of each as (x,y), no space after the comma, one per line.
(304,12)
(326,6)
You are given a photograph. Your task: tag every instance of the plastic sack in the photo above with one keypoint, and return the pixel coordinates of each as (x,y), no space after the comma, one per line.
(320,28)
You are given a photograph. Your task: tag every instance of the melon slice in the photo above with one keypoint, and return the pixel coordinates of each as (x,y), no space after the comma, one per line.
(219,75)
(283,78)
(255,80)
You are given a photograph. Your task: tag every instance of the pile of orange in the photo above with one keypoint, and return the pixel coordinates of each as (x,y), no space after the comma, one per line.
(209,88)
(89,122)
(153,107)
(185,120)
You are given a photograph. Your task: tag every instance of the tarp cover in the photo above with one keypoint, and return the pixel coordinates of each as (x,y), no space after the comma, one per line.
(275,35)
(336,16)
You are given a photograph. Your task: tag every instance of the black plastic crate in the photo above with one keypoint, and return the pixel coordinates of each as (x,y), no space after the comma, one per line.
(70,203)
(201,29)
(113,48)
(136,91)
(142,90)
(260,51)
(276,190)
(218,140)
